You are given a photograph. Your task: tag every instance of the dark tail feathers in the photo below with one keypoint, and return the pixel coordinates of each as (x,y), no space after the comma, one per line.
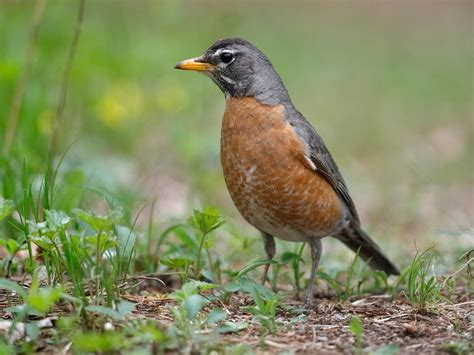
(355,238)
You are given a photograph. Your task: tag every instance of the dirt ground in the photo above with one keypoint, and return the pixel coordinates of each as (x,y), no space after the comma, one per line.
(446,328)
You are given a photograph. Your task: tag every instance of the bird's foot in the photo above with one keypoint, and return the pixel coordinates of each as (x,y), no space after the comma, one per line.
(308,303)
(305,308)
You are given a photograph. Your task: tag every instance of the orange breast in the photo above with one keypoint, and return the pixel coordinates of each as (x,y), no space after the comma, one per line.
(268,176)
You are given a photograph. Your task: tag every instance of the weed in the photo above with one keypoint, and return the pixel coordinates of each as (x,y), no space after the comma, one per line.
(389,349)
(294,259)
(355,326)
(265,309)
(457,348)
(12,246)
(240,281)
(194,242)
(357,280)
(37,302)
(422,287)
(205,222)
(187,324)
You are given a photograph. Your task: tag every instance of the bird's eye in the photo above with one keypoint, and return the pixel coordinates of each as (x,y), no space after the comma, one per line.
(227,57)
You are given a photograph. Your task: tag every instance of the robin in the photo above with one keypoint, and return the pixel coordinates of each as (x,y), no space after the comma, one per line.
(278,171)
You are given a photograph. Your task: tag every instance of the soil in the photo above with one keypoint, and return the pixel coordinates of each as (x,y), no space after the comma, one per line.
(444,328)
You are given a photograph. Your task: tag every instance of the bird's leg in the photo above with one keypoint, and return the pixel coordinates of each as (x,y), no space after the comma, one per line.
(270,249)
(316,250)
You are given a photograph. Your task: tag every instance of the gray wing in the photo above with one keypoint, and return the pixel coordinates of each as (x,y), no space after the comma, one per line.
(322,159)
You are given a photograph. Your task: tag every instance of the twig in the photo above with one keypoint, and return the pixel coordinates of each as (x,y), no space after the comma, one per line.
(392,317)
(21,84)
(65,80)
(224,306)
(275,344)
(466,265)
(146,278)
(459,304)
(326,326)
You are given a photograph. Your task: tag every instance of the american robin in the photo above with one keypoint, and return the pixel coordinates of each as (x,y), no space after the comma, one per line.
(278,171)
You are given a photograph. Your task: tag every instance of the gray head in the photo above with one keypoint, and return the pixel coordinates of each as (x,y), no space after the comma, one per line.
(240,69)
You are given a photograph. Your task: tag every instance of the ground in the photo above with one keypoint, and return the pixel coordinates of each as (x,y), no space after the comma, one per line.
(389,325)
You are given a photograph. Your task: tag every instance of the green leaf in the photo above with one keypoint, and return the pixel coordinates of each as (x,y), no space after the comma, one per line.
(216,315)
(32,331)
(70,298)
(254,264)
(6,208)
(97,342)
(107,240)
(124,308)
(288,257)
(176,263)
(229,327)
(6,349)
(13,286)
(126,240)
(209,242)
(232,286)
(99,222)
(12,246)
(105,311)
(247,285)
(208,275)
(193,304)
(42,299)
(389,349)
(188,240)
(57,220)
(206,221)
(258,300)
(24,309)
(191,288)
(355,326)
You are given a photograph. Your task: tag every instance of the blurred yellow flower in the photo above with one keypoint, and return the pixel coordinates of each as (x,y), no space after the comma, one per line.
(172,97)
(45,122)
(122,102)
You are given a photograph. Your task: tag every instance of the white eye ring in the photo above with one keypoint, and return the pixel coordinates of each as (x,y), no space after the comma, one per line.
(226,56)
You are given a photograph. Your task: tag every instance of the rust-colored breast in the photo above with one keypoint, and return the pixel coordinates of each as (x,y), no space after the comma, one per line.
(268,176)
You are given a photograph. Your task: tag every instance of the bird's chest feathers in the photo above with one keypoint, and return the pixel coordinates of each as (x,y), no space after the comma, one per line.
(269,177)
(253,132)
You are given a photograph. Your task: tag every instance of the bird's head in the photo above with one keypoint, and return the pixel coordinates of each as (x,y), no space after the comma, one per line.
(239,69)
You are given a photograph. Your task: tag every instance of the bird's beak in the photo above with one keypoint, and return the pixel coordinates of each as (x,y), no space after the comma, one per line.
(196,64)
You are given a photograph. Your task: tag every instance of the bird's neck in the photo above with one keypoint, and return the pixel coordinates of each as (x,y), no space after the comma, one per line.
(269,90)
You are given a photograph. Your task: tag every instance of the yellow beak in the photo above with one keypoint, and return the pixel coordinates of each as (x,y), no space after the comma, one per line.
(194,64)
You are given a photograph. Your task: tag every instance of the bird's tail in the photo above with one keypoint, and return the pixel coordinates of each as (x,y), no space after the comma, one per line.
(355,238)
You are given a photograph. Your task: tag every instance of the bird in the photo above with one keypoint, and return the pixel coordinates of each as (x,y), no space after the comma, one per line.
(279,173)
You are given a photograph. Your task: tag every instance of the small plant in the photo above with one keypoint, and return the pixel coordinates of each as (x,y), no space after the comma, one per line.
(422,287)
(241,282)
(187,258)
(205,223)
(265,309)
(346,288)
(389,349)
(355,326)
(37,302)
(294,259)
(357,280)
(189,303)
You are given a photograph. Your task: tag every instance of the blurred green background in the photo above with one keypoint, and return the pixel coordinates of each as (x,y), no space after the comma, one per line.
(389,86)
